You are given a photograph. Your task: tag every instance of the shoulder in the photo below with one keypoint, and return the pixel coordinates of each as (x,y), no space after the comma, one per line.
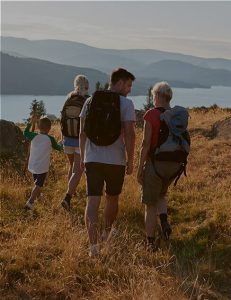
(84,108)
(46,137)
(125,100)
(41,138)
(152,114)
(127,109)
(126,103)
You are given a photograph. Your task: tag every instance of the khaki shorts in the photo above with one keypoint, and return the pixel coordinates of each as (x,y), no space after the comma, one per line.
(71,150)
(155,187)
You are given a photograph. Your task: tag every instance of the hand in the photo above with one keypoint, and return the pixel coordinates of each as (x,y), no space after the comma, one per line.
(129,168)
(33,118)
(81,165)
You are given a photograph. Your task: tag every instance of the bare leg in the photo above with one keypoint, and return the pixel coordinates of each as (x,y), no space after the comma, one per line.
(150,220)
(35,193)
(162,212)
(76,175)
(91,218)
(162,205)
(110,211)
(71,161)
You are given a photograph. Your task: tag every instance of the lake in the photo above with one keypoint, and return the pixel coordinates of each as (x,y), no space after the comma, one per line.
(16,107)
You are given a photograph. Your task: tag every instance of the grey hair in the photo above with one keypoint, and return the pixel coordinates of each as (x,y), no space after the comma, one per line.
(163,89)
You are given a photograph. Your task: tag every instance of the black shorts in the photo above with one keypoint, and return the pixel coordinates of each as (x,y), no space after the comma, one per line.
(98,173)
(39,179)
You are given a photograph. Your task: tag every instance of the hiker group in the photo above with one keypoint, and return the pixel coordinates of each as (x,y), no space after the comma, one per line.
(98,137)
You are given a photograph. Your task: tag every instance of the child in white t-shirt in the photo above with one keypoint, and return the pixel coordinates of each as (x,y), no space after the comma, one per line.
(39,160)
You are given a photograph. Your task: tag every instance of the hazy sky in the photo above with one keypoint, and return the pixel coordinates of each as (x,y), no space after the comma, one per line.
(197,28)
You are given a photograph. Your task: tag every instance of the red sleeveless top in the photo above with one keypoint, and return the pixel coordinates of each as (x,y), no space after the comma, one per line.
(152,116)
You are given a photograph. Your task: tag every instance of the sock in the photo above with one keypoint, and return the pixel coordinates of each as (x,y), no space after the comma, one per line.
(163,218)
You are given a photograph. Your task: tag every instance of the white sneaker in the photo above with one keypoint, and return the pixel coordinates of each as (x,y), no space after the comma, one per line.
(94,250)
(29,205)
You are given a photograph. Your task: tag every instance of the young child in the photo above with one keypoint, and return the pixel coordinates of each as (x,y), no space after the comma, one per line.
(40,151)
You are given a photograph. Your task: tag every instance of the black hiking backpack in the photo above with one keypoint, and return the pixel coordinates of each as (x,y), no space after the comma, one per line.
(70,121)
(173,140)
(103,121)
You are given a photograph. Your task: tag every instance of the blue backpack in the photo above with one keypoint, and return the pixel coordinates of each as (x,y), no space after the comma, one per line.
(174,140)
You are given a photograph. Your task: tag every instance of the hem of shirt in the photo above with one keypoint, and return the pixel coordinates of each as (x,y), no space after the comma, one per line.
(107,163)
(40,172)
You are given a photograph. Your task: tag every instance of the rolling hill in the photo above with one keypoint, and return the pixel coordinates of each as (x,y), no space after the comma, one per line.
(31,76)
(81,55)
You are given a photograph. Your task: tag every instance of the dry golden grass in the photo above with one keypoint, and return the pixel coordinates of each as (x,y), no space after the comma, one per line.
(44,255)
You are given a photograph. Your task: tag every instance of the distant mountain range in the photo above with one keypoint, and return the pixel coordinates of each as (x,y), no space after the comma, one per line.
(39,77)
(49,67)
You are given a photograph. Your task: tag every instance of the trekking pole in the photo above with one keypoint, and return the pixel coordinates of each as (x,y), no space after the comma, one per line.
(33,123)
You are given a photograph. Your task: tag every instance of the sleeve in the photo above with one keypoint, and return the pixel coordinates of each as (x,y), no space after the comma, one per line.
(128,111)
(29,134)
(54,144)
(84,109)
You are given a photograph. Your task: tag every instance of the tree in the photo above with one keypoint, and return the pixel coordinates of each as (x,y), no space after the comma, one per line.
(106,86)
(149,100)
(98,86)
(39,107)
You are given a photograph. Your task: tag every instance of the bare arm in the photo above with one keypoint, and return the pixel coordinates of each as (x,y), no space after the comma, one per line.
(82,141)
(129,137)
(145,147)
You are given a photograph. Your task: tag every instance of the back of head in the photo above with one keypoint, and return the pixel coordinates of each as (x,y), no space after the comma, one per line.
(120,74)
(44,124)
(163,90)
(81,85)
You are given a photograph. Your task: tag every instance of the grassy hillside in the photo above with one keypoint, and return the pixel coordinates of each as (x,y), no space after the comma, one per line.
(44,255)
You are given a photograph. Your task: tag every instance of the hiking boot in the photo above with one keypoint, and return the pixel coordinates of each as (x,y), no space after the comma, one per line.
(94,251)
(29,205)
(66,204)
(166,230)
(152,244)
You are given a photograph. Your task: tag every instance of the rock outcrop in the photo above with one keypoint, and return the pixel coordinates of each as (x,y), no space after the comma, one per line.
(222,129)
(12,142)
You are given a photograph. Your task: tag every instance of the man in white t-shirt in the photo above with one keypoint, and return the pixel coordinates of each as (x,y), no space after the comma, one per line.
(108,164)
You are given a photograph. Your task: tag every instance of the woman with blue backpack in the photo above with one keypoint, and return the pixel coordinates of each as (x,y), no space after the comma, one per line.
(163,159)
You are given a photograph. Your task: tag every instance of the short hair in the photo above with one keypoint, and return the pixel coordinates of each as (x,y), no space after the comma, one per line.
(81,84)
(44,123)
(121,74)
(163,89)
